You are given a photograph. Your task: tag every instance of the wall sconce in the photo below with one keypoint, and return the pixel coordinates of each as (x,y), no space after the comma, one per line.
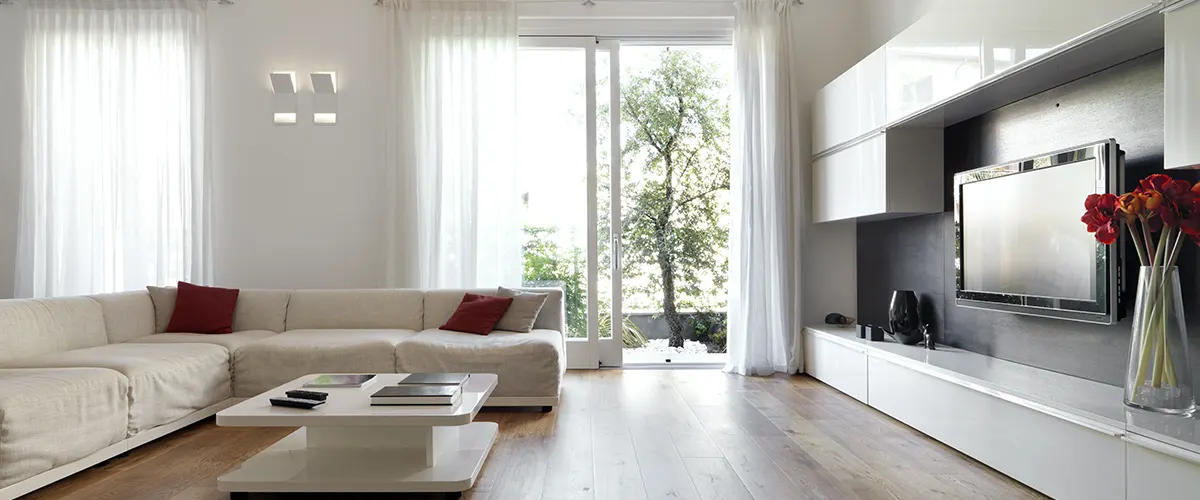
(283,104)
(324,97)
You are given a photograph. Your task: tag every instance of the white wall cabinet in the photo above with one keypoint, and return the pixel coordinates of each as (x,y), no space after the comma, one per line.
(1181,71)
(851,105)
(898,172)
(960,43)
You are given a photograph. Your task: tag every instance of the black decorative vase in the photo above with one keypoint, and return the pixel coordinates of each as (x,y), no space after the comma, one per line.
(904,317)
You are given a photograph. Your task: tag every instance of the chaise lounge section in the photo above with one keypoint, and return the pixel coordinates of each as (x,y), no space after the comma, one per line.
(83,379)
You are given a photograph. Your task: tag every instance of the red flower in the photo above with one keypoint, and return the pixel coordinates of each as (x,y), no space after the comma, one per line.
(1180,208)
(1154,183)
(1099,217)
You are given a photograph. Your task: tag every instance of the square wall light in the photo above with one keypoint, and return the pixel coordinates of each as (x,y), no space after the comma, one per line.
(324,97)
(283,104)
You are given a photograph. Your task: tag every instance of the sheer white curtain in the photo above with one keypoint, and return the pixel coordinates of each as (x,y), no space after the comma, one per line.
(114,185)
(454,218)
(762,331)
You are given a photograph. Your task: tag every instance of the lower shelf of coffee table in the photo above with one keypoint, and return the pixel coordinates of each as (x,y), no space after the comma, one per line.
(290,465)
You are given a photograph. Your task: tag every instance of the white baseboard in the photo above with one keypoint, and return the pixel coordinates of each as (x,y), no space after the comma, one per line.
(51,476)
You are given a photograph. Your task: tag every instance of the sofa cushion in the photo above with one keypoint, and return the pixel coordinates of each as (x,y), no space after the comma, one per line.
(256,309)
(440,304)
(166,381)
(52,417)
(478,314)
(267,363)
(231,341)
(358,309)
(127,315)
(523,312)
(528,364)
(203,309)
(29,327)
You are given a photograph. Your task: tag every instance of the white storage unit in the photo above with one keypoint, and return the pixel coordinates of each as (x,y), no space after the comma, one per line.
(1060,458)
(1181,72)
(964,58)
(852,105)
(1155,475)
(843,367)
(893,173)
(1162,455)
(1059,434)
(962,43)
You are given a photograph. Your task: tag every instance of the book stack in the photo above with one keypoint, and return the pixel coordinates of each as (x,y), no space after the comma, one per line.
(423,389)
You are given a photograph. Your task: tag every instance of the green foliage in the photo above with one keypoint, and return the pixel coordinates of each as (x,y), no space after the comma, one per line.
(548,265)
(709,328)
(676,218)
(631,336)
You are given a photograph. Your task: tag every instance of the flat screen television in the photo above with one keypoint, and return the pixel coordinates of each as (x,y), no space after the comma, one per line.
(1020,246)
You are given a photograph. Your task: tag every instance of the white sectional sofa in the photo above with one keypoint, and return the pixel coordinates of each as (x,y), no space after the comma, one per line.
(83,379)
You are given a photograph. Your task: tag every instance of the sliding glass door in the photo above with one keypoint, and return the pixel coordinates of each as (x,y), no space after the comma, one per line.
(626,178)
(566,84)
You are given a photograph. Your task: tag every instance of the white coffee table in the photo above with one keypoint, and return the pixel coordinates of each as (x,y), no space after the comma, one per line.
(347,445)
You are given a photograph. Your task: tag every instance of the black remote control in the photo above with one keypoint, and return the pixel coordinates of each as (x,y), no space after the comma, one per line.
(306,404)
(313,395)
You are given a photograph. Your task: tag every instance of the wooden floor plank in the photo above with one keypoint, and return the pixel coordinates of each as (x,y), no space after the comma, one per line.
(716,480)
(626,435)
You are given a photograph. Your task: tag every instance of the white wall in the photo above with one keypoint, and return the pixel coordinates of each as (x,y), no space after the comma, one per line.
(884,19)
(11,60)
(827,46)
(298,206)
(302,205)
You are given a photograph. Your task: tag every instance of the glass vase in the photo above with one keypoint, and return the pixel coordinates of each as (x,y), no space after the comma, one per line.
(1159,376)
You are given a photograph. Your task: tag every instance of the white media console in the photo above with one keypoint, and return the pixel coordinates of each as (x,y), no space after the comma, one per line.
(1067,437)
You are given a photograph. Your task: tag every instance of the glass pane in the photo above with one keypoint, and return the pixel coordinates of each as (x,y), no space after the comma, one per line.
(675,221)
(552,149)
(604,189)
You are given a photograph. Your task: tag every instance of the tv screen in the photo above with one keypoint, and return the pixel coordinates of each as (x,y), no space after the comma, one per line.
(1022,235)
(1020,246)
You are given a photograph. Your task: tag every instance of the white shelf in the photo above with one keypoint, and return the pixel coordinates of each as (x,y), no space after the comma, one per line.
(1085,402)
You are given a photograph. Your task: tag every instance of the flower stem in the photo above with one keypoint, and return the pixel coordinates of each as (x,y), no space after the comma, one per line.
(1138,243)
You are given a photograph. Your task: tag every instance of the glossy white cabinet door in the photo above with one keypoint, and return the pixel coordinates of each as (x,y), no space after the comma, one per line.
(851,183)
(1018,30)
(961,42)
(1180,76)
(842,367)
(1062,459)
(1153,476)
(935,58)
(851,105)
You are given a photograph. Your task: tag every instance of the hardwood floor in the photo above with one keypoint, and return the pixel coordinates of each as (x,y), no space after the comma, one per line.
(627,435)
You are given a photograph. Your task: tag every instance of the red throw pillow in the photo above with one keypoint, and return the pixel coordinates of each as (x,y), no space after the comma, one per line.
(203,309)
(478,314)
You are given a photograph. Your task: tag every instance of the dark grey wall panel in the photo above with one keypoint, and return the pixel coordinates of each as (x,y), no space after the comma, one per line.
(1124,102)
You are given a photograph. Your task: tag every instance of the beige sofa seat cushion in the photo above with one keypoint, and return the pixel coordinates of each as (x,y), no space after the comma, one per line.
(52,417)
(166,381)
(440,305)
(255,310)
(231,341)
(358,309)
(29,327)
(127,315)
(528,364)
(265,364)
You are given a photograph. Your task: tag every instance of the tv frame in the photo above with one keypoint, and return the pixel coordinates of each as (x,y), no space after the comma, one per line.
(1104,310)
